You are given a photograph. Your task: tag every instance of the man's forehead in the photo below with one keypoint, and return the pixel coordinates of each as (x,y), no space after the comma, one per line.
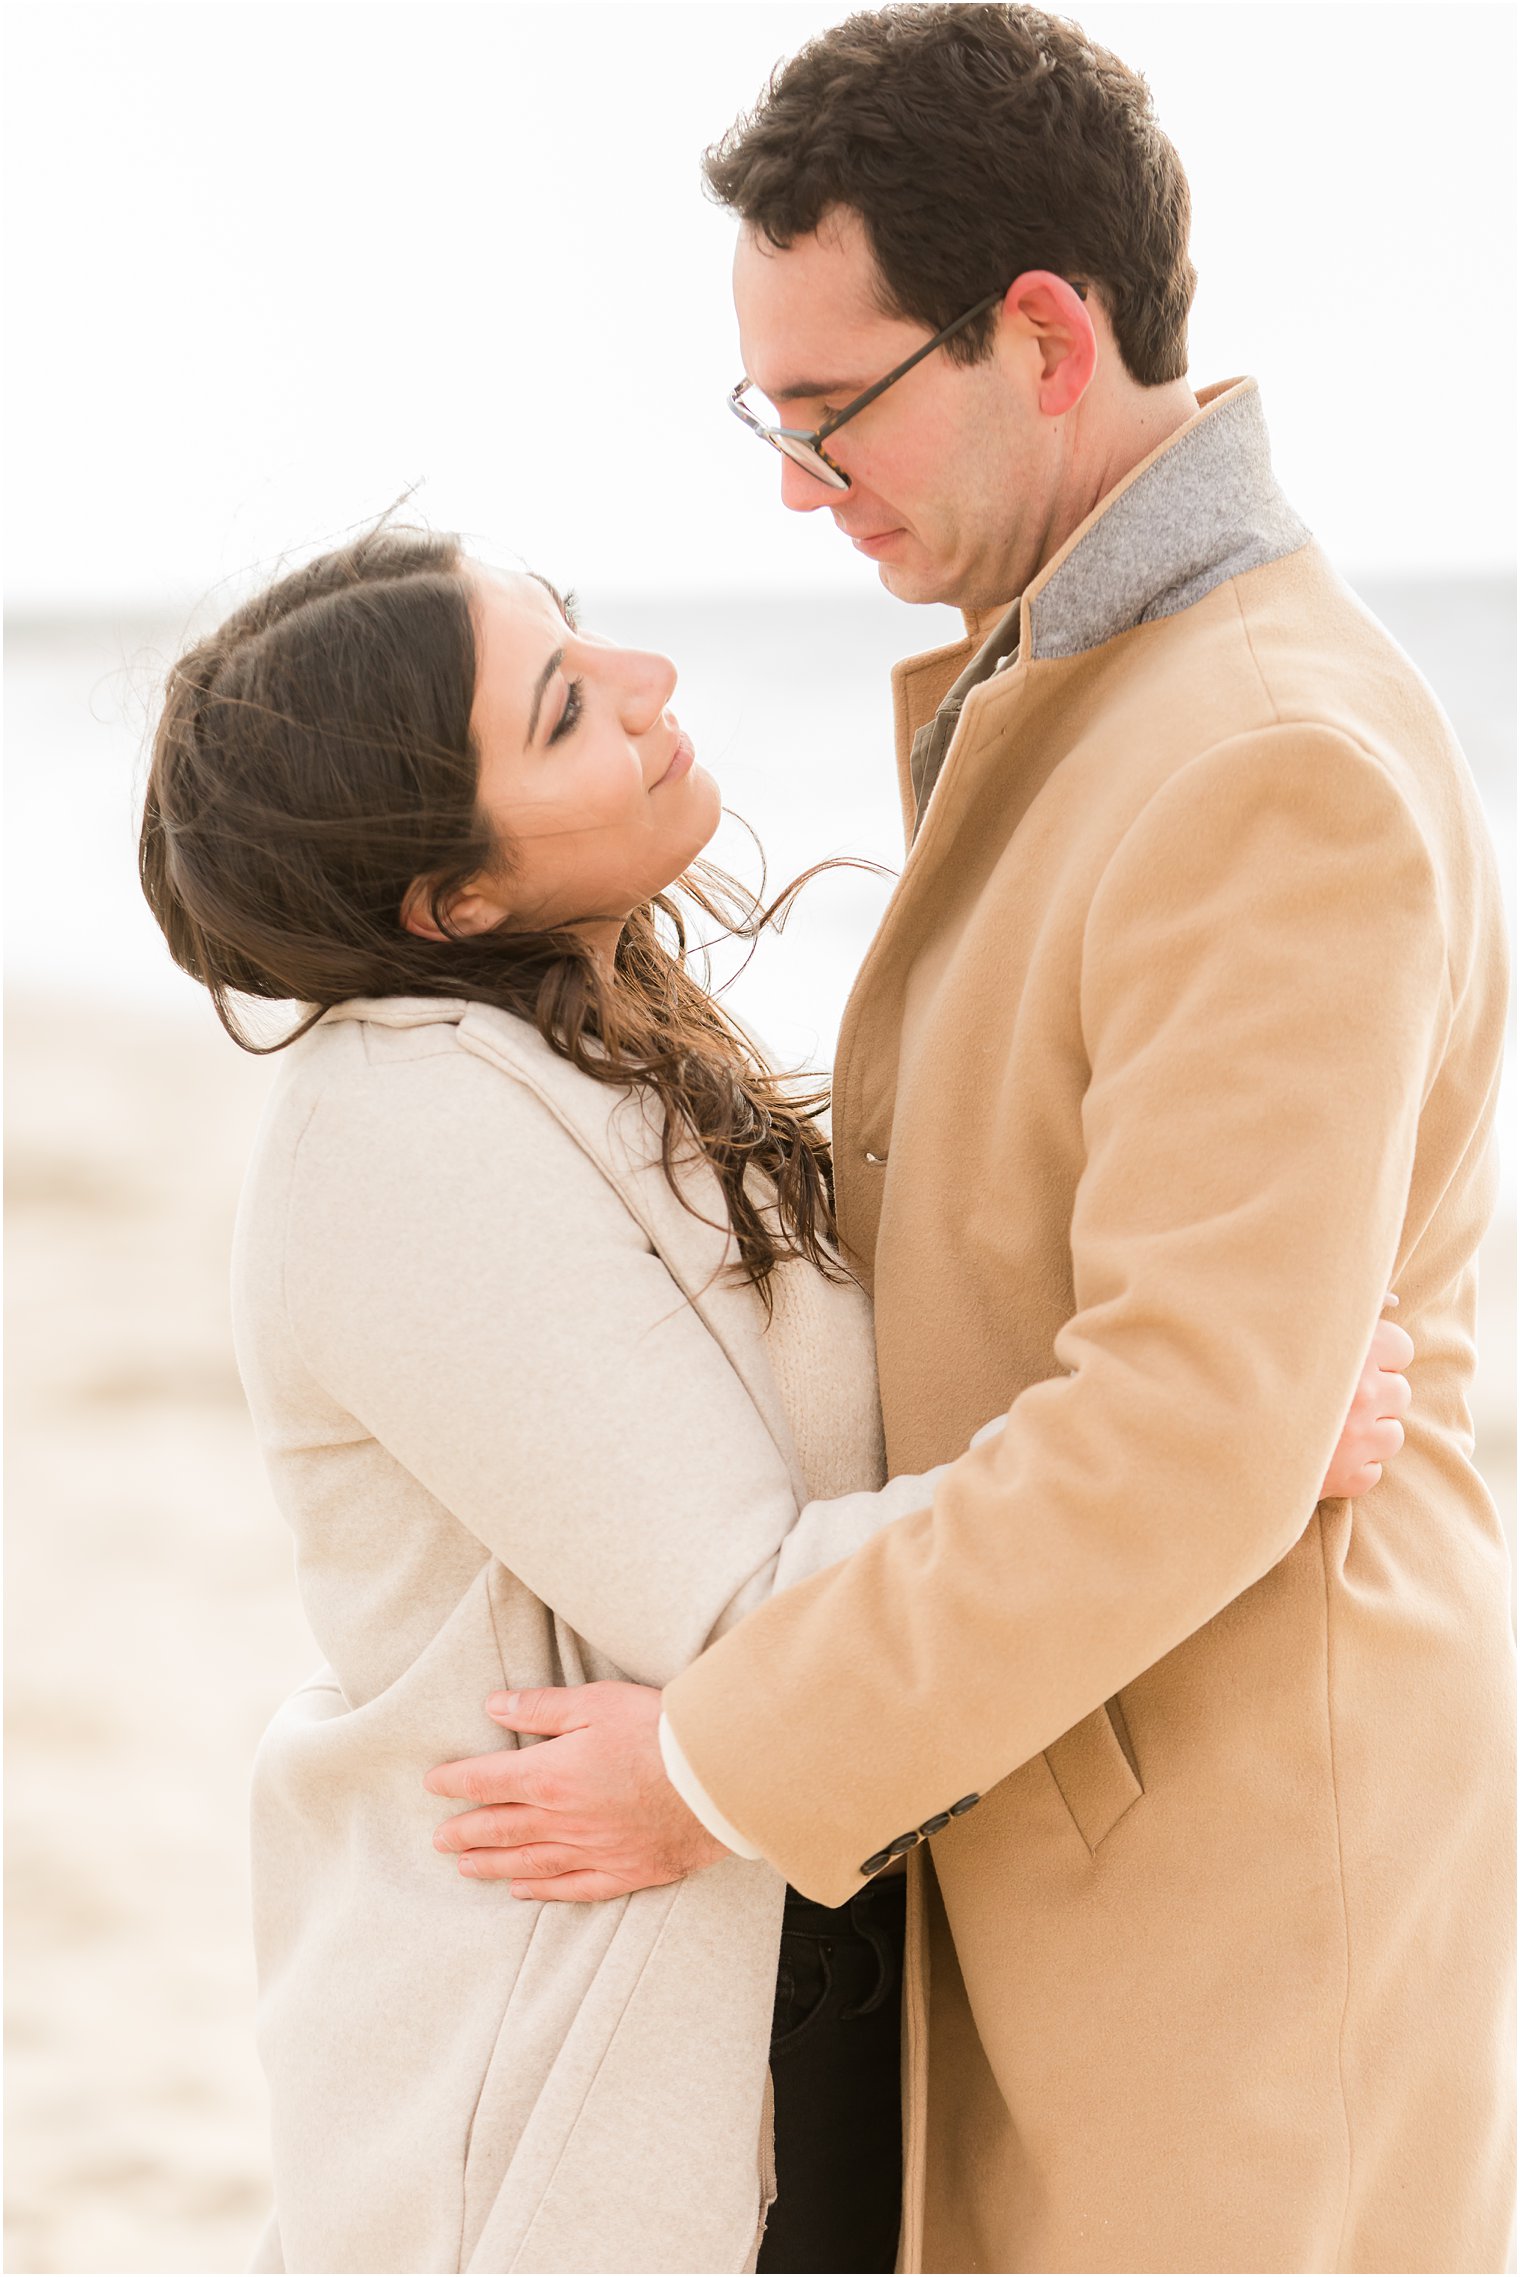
(810,321)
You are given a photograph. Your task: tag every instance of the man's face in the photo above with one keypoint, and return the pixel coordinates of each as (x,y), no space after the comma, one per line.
(951,470)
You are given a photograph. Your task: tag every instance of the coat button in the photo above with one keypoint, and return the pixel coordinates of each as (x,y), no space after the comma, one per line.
(876,1861)
(903,1842)
(964,1804)
(933,1825)
(877,1161)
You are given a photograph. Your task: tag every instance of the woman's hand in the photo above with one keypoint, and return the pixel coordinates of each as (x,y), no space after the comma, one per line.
(1372,1434)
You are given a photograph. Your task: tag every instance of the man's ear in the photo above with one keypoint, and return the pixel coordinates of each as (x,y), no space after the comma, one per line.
(472,908)
(1046,311)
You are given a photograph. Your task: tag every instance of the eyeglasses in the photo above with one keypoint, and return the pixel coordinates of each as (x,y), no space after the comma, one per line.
(804,446)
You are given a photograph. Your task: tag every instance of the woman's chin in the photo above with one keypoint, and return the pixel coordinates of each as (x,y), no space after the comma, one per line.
(700,812)
(706,802)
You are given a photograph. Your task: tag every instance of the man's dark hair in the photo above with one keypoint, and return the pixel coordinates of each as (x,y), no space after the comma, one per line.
(975,142)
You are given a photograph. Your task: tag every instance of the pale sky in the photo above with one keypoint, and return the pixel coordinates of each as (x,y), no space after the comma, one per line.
(273,261)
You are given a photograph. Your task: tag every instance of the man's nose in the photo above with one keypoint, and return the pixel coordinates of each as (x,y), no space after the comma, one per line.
(804,493)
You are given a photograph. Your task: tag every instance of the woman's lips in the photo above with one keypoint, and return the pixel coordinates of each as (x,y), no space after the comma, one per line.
(682,760)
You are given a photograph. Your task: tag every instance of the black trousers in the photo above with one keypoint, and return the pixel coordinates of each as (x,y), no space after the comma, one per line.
(835,2066)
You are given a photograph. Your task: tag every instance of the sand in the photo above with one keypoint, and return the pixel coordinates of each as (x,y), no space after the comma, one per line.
(152,1627)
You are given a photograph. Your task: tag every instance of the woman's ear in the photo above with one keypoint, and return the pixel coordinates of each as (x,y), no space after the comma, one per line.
(473,908)
(417,911)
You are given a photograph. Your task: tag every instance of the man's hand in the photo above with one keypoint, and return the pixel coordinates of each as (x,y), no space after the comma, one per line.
(589,1814)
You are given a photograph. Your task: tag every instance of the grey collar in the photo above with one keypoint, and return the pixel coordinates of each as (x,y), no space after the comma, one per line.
(1205,508)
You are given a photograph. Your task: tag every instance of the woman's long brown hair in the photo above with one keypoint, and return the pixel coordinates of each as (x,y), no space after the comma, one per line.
(314,758)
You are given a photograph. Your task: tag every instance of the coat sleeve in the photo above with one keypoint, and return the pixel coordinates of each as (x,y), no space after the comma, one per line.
(1264,1001)
(472,1293)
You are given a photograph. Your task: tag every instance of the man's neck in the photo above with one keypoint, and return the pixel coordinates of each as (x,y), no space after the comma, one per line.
(1112,439)
(1119,438)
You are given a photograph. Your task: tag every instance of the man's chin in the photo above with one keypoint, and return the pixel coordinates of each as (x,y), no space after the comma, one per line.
(916,585)
(922,589)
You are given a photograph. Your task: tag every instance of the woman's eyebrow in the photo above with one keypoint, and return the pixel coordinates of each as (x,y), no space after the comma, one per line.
(547,674)
(564,602)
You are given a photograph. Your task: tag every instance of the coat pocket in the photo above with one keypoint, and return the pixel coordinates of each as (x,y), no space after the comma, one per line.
(1093,1767)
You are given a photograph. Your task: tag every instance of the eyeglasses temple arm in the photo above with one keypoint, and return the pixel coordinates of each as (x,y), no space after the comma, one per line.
(837,419)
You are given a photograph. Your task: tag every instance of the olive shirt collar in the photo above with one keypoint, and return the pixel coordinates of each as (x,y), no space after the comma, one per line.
(1203,507)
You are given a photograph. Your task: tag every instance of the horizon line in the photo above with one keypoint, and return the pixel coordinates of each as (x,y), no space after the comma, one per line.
(37,611)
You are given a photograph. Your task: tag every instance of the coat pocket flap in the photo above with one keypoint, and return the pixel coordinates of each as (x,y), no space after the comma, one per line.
(1095,1776)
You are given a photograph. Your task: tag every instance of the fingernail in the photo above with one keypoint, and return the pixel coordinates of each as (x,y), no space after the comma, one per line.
(430,1784)
(522,1889)
(502,1704)
(1390,1300)
(467,1865)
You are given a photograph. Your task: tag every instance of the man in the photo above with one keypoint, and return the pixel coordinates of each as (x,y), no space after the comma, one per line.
(1177,1047)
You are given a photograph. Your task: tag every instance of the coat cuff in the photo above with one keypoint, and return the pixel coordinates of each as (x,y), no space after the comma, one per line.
(695,1796)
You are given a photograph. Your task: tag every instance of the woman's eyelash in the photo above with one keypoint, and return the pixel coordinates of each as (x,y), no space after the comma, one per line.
(571,712)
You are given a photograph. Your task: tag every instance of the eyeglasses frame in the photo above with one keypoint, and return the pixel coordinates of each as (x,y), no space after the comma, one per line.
(813,438)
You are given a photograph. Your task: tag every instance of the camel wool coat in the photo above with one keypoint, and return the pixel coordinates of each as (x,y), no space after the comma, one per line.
(527,1430)
(1178,1045)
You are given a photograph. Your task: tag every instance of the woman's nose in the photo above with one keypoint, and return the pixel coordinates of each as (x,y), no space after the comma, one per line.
(649,682)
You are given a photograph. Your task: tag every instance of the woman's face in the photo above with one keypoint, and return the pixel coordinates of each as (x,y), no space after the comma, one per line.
(584,773)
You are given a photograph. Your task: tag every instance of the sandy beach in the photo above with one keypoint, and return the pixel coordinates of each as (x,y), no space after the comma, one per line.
(152,1626)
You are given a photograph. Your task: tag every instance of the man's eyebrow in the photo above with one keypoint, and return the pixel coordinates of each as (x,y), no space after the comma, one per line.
(547,674)
(801,390)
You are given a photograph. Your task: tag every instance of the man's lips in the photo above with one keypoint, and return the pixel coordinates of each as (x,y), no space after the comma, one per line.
(875,543)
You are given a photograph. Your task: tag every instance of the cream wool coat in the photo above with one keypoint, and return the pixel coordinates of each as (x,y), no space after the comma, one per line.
(1178,1046)
(526,1432)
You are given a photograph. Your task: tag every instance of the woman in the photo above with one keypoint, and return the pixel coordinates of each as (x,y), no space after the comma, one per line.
(557,1375)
